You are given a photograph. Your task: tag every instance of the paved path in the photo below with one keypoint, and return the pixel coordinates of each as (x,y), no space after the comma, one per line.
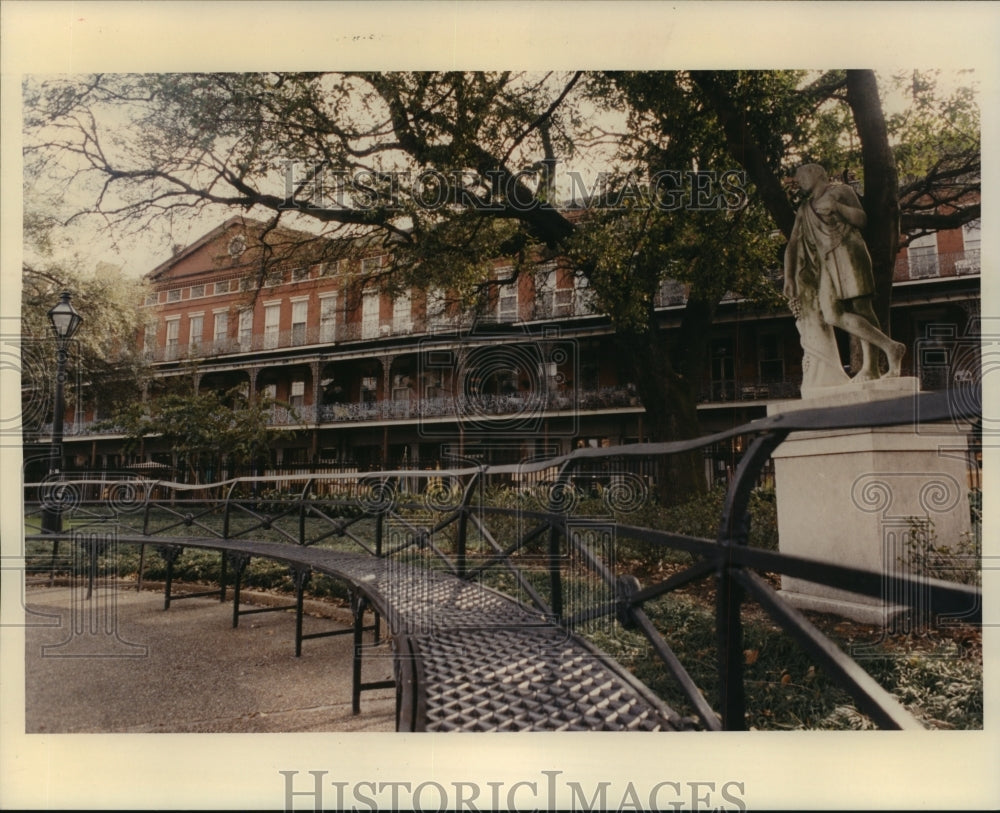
(188,670)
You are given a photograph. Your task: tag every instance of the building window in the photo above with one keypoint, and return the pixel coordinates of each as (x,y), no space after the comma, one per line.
(149,339)
(552,300)
(370,304)
(197,291)
(370,265)
(770,358)
(562,302)
(671,292)
(507,303)
(333,268)
(923,256)
(548,374)
(401,389)
(297,394)
(328,318)
(269,392)
(196,327)
(220,330)
(402,320)
(300,313)
(723,370)
(272,320)
(246,329)
(971,237)
(437,308)
(174,295)
(369,387)
(152,299)
(583,295)
(506,296)
(300,273)
(173,337)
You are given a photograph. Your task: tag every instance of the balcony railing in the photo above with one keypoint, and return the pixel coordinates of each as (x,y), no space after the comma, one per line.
(726,391)
(462,406)
(301,336)
(466,406)
(942,264)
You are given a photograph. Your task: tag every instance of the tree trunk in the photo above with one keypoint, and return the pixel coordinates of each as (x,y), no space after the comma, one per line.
(881,185)
(671,413)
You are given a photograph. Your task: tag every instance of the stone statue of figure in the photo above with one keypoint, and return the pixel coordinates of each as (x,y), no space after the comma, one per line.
(829,283)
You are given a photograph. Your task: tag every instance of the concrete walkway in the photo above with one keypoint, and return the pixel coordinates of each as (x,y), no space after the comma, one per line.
(118,663)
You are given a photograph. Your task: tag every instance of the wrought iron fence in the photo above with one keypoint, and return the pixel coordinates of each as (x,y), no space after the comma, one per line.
(548,526)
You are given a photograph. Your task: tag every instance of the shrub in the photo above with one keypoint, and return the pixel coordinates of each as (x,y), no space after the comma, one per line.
(926,556)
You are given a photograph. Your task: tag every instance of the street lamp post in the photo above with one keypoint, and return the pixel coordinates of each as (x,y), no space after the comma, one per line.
(65,321)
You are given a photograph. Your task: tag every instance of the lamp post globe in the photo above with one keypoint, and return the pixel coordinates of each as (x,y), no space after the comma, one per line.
(64,318)
(64,321)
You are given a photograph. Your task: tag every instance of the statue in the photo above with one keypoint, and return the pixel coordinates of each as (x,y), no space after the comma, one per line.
(829,283)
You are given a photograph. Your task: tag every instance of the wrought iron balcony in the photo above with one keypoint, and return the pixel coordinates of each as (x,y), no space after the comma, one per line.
(938,264)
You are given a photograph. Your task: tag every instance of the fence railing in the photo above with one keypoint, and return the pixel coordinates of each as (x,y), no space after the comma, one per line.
(549,526)
(938,264)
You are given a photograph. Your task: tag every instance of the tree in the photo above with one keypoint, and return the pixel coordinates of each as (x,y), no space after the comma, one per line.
(935,144)
(104,359)
(456,169)
(203,431)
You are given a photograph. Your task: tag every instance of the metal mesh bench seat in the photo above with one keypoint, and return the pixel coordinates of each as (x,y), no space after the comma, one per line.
(471,659)
(535,679)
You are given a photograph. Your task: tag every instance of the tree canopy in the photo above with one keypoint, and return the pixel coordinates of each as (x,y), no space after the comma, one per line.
(455,169)
(104,363)
(203,431)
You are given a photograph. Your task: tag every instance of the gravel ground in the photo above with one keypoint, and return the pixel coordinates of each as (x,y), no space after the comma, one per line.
(118,663)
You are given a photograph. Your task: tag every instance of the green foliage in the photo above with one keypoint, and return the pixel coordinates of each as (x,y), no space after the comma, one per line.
(937,682)
(202,428)
(933,129)
(941,686)
(938,129)
(958,562)
(102,357)
(699,517)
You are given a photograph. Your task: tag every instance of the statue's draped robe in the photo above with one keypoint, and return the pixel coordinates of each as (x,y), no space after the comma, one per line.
(837,251)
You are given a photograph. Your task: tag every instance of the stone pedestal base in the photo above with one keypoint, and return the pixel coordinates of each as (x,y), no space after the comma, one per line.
(854,497)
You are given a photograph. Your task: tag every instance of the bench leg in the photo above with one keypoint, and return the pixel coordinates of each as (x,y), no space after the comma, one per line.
(222,577)
(358,604)
(301,577)
(170,553)
(239,562)
(52,568)
(142,563)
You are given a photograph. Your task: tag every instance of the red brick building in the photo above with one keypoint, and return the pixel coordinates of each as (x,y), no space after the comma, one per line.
(371,380)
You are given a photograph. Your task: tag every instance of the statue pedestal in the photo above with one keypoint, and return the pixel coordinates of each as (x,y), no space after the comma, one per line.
(852,497)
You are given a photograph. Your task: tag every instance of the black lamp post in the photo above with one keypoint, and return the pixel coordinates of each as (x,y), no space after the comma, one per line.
(65,321)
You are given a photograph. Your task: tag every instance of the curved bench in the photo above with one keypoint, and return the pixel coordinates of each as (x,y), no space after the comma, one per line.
(468,658)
